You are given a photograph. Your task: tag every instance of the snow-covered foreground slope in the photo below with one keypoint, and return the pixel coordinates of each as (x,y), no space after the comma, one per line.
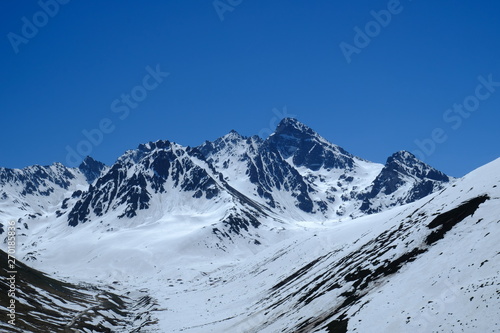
(429,266)
(44,304)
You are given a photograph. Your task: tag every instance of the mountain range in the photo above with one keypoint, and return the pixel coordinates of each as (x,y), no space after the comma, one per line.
(290,233)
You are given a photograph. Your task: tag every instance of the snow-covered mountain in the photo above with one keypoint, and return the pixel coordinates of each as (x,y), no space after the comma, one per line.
(403,179)
(295,175)
(285,234)
(160,182)
(40,190)
(301,176)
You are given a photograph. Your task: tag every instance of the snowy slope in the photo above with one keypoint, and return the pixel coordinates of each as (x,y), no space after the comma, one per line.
(389,270)
(44,304)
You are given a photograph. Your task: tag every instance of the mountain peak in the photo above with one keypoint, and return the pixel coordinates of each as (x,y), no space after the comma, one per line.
(89,160)
(293,127)
(403,155)
(233,135)
(289,120)
(159,144)
(91,168)
(408,164)
(401,170)
(308,148)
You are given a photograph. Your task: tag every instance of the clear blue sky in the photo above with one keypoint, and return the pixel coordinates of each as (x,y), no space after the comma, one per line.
(231,74)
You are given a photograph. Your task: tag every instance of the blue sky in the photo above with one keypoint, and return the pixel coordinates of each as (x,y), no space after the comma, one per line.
(265,59)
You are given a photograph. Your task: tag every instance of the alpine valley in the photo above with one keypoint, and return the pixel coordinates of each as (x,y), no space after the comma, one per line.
(242,234)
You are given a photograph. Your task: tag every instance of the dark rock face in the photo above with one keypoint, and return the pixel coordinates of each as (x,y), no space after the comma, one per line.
(265,167)
(307,148)
(269,171)
(302,146)
(446,221)
(403,168)
(236,222)
(91,169)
